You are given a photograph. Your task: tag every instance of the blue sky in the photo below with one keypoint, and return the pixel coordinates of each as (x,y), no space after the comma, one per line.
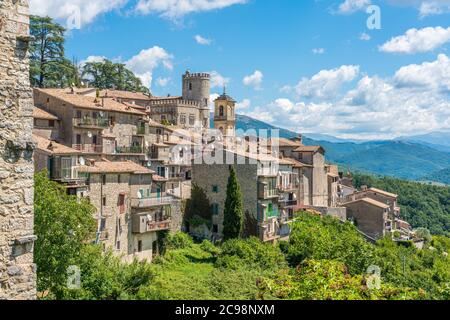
(309,66)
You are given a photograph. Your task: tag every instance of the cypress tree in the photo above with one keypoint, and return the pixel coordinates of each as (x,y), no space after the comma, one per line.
(233,221)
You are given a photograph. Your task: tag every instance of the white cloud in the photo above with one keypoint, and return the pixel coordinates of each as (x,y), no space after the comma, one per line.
(175,9)
(433,75)
(254,80)
(417,40)
(217,80)
(318,50)
(414,100)
(203,41)
(243,105)
(326,83)
(351,6)
(364,37)
(434,7)
(91,59)
(162,82)
(84,10)
(147,60)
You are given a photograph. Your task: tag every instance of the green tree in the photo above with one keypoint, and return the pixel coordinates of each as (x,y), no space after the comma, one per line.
(47,60)
(233,221)
(198,204)
(64,225)
(109,75)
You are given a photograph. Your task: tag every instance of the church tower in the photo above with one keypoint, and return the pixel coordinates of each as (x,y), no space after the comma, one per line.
(224,115)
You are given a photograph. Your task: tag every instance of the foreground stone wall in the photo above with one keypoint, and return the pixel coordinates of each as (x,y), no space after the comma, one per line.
(17,271)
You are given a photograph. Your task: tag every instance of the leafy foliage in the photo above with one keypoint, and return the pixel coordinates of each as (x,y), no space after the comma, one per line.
(198,204)
(319,238)
(109,75)
(48,66)
(233,222)
(422,205)
(64,226)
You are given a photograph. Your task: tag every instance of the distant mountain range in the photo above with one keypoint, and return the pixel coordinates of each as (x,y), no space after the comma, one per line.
(425,157)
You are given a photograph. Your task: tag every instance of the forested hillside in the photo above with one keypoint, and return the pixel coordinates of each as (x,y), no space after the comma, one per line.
(422,205)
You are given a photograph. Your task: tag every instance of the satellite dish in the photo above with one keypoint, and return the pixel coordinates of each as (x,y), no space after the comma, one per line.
(139,195)
(146,144)
(89,134)
(101,114)
(82,161)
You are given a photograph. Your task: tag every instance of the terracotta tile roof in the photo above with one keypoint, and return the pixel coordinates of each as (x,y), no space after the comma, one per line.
(52,147)
(385,193)
(116,167)
(371,202)
(296,163)
(88,102)
(158,178)
(155,124)
(283,142)
(124,95)
(38,113)
(309,149)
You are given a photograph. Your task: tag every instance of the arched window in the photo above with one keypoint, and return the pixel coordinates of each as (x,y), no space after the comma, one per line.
(190,86)
(221,113)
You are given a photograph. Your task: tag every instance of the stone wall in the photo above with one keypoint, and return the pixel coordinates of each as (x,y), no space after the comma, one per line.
(17,271)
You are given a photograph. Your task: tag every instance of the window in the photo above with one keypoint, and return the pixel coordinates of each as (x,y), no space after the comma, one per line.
(215,189)
(215,228)
(51,123)
(119,178)
(190,86)
(78,114)
(221,113)
(104,201)
(140,246)
(102,224)
(182,153)
(182,118)
(215,209)
(103,179)
(118,245)
(191,119)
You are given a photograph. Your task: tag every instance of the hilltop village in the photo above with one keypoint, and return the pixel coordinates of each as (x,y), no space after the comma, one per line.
(136,157)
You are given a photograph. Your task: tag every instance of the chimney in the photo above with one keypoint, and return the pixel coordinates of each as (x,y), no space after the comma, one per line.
(364,188)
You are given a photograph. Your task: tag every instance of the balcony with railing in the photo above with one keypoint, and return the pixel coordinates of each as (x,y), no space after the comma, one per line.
(265,192)
(141,131)
(132,150)
(88,148)
(287,202)
(89,122)
(151,202)
(151,222)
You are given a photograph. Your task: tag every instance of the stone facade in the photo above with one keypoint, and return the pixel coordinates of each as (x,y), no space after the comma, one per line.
(17,271)
(191,110)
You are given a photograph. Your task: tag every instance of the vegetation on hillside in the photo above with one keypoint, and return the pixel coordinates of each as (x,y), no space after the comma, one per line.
(324,259)
(442,176)
(421,205)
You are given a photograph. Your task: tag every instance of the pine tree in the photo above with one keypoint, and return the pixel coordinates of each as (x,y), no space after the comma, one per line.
(233,221)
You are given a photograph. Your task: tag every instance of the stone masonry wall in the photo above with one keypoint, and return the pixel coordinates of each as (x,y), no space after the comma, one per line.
(17,271)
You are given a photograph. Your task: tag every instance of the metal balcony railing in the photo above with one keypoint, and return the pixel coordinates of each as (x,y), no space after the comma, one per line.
(91,122)
(88,148)
(135,149)
(151,202)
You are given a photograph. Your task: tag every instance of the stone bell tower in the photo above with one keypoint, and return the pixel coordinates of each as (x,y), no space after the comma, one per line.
(17,271)
(225,115)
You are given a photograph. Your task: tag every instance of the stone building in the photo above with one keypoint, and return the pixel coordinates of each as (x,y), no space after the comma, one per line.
(191,110)
(98,127)
(390,200)
(62,164)
(132,206)
(224,116)
(257,176)
(370,217)
(17,271)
